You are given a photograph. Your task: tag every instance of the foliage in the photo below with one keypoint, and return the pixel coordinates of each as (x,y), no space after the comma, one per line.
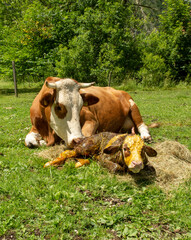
(102,44)
(96,40)
(167,55)
(89,203)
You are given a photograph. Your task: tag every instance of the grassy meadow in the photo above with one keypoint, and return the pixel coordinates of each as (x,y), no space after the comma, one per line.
(89,203)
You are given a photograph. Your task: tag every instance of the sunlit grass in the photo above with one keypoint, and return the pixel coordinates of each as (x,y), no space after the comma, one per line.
(89,203)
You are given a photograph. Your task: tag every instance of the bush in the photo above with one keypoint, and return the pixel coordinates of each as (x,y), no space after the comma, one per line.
(166,59)
(153,71)
(97,41)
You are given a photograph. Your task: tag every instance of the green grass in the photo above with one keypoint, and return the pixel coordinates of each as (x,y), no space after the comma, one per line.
(172,109)
(89,203)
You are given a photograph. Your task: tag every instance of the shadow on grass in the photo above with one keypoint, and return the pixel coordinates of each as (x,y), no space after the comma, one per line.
(146,177)
(9,91)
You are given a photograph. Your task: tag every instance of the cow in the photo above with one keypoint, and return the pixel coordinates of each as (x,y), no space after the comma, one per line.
(117,152)
(65,109)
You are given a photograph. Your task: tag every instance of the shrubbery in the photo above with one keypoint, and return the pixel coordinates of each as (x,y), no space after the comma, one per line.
(167,50)
(97,40)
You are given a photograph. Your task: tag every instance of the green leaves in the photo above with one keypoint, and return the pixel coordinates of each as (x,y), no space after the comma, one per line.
(107,41)
(166,51)
(129,232)
(102,45)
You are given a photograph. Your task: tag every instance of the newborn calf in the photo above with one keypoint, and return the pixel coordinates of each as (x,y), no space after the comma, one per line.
(117,152)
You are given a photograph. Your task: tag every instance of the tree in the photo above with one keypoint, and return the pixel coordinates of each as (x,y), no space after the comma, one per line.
(99,39)
(176,24)
(167,57)
(103,43)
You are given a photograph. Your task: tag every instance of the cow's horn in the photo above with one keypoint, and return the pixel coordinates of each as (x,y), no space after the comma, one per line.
(85,85)
(51,84)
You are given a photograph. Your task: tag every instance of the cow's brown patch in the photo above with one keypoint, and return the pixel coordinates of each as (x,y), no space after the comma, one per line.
(60,110)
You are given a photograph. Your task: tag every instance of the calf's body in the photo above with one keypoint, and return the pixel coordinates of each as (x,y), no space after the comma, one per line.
(117,152)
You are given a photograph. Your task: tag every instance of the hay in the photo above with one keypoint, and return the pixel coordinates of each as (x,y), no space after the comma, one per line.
(172,164)
(52,152)
(171,167)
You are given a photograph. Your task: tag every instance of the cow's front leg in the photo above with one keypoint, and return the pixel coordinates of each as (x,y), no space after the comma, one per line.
(88,122)
(89,128)
(111,166)
(137,119)
(144,132)
(81,162)
(62,158)
(34,139)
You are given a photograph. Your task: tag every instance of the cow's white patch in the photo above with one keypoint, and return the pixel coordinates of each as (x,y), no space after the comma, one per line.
(34,140)
(144,131)
(67,93)
(131,102)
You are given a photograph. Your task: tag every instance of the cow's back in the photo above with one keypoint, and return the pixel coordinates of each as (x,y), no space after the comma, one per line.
(111,110)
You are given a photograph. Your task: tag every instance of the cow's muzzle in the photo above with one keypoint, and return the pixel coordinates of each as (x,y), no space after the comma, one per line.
(135,167)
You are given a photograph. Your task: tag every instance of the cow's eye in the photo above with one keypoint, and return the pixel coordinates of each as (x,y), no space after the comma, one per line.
(126,148)
(126,151)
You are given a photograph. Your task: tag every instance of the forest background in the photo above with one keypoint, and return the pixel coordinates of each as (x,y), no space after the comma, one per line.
(144,42)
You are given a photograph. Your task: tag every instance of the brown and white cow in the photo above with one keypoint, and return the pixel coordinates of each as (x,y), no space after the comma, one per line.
(65,109)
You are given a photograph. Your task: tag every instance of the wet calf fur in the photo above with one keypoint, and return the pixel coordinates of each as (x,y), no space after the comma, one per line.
(116,152)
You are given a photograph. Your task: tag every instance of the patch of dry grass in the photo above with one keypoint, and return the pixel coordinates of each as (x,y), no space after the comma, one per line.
(52,152)
(172,164)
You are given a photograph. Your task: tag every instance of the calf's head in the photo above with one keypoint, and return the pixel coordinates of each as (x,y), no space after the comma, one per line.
(65,102)
(133,149)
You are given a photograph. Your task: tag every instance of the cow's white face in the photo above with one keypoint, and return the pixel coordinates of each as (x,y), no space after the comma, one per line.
(65,111)
(66,107)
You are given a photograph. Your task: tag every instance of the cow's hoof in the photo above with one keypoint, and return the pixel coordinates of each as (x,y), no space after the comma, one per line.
(148,140)
(82,162)
(47,164)
(34,140)
(42,143)
(78,164)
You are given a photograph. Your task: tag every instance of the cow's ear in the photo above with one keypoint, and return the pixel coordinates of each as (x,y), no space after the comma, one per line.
(150,151)
(111,149)
(114,144)
(89,99)
(46,100)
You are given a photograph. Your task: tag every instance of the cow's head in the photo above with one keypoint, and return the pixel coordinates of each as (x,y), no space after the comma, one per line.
(65,102)
(133,149)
